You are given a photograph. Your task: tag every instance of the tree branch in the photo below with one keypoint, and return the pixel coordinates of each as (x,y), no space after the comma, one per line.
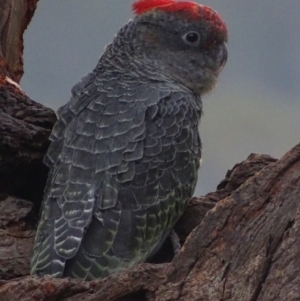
(15,16)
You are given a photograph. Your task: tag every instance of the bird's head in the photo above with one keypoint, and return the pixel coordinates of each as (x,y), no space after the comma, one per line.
(184,41)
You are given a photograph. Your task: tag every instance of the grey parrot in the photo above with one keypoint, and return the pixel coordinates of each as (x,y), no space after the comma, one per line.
(125,150)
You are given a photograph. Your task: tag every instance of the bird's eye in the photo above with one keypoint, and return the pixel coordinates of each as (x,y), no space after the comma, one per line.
(191,37)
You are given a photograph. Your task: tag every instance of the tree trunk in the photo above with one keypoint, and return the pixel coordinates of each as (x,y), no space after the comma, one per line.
(15,16)
(241,242)
(24,124)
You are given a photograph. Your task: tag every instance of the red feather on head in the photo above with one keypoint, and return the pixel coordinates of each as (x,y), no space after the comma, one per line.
(142,6)
(195,10)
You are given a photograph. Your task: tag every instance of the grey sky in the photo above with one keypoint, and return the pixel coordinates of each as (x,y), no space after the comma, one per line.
(256,105)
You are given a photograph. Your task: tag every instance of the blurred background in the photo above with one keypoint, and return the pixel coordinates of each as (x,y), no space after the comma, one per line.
(255,107)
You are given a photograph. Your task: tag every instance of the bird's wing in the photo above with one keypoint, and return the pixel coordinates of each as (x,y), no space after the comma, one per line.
(60,224)
(150,170)
(120,158)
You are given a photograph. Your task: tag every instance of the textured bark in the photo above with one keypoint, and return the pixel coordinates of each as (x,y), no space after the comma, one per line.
(16,238)
(241,242)
(247,247)
(24,124)
(24,129)
(15,16)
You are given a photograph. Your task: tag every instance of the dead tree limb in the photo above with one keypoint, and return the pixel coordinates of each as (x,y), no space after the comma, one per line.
(24,124)
(14,19)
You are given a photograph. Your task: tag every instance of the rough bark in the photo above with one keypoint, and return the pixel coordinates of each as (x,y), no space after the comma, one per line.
(24,124)
(16,238)
(24,130)
(247,244)
(15,16)
(239,243)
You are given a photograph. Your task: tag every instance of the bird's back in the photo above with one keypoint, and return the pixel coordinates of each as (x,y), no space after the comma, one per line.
(123,165)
